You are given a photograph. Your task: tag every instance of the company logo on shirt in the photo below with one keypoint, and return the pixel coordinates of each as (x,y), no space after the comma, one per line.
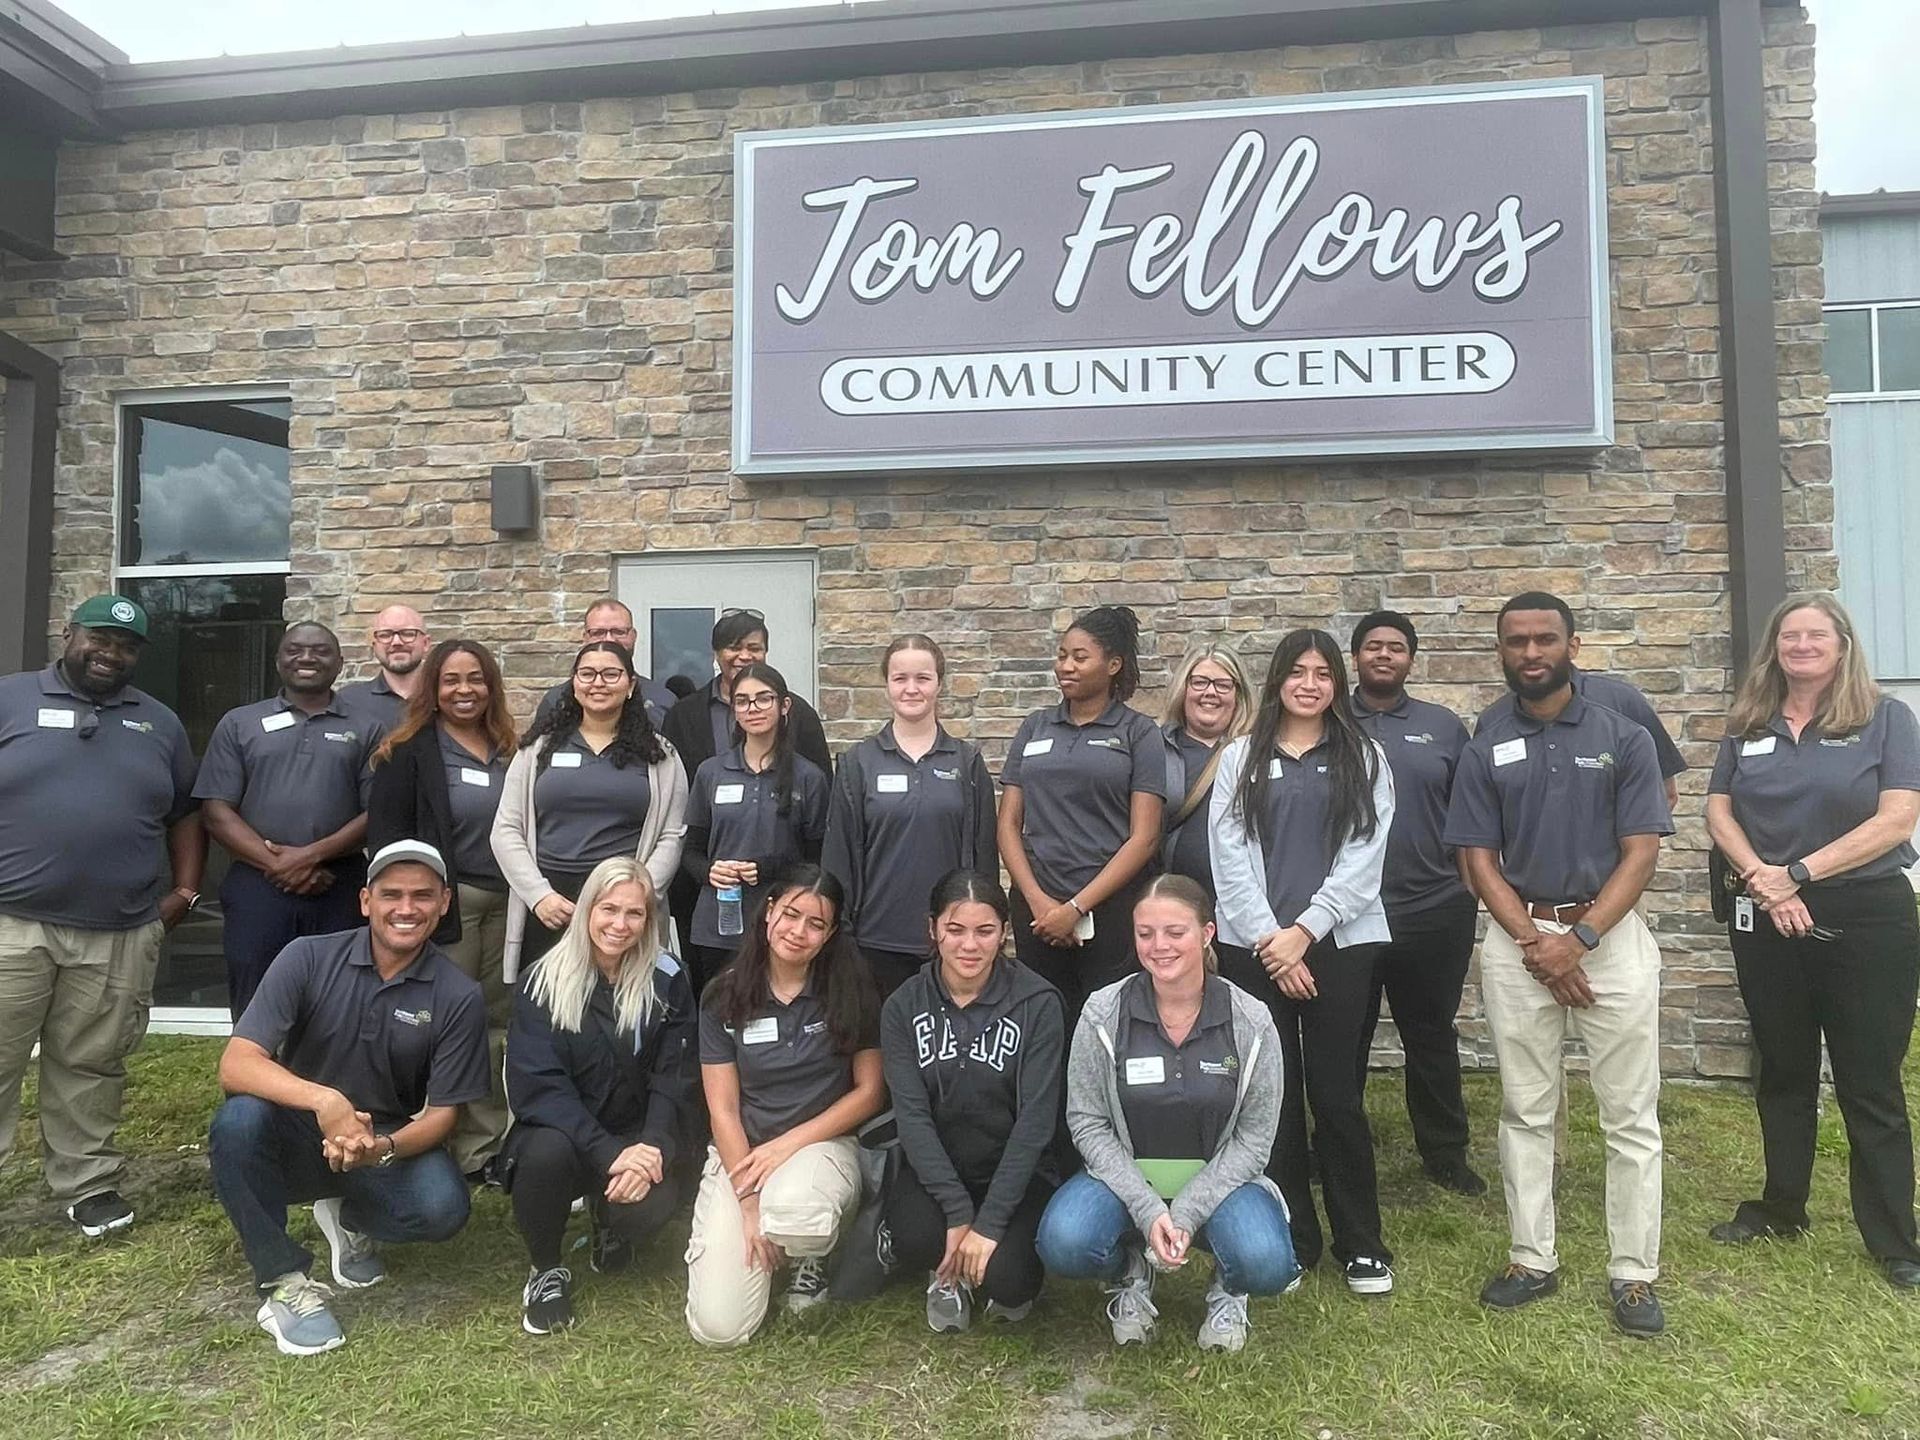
(1108,742)
(1602,761)
(940,774)
(1421,739)
(344,737)
(813,1027)
(1840,740)
(145,727)
(414,1017)
(1220,1067)
(992,1047)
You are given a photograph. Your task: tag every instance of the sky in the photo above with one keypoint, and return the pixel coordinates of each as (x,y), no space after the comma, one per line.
(1868,53)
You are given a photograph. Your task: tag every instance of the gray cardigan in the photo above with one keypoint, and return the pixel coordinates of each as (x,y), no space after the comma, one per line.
(662,835)
(1099,1127)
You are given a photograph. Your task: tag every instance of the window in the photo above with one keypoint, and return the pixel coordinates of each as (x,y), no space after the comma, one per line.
(206,500)
(1874,350)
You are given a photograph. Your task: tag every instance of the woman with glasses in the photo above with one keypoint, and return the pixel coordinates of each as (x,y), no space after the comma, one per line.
(1208,704)
(437,777)
(591,781)
(909,805)
(1813,802)
(753,809)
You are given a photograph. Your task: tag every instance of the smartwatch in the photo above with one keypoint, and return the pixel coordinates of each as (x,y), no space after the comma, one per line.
(1586,935)
(1797,872)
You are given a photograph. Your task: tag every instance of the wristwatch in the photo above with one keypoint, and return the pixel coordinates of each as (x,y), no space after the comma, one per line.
(1798,873)
(192,897)
(393,1151)
(1586,935)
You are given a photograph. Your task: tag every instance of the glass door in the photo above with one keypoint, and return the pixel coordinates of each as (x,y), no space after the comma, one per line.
(675,599)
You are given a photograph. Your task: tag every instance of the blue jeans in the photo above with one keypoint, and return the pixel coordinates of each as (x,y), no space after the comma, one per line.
(259,920)
(266,1157)
(1086,1234)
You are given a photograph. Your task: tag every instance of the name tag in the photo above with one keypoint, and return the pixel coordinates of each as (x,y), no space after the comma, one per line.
(1037,747)
(566,760)
(1146,1070)
(470,776)
(1275,769)
(1743,914)
(282,721)
(890,784)
(1762,746)
(764,1031)
(1508,751)
(52,719)
(729,794)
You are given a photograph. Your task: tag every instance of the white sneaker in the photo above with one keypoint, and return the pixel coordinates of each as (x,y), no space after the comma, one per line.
(356,1263)
(295,1313)
(1131,1310)
(1368,1276)
(1226,1325)
(949,1307)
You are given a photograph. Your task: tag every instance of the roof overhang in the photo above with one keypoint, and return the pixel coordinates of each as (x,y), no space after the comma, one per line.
(1878,202)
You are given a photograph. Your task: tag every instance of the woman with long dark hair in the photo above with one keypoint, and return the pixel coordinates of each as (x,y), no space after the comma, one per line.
(592,780)
(437,777)
(752,810)
(1301,811)
(790,1062)
(973,1046)
(1080,809)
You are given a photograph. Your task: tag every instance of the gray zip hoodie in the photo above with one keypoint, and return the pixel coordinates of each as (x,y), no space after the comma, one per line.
(1099,1126)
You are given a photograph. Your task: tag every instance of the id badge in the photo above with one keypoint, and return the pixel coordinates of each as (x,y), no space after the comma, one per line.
(1743,914)
(1083,927)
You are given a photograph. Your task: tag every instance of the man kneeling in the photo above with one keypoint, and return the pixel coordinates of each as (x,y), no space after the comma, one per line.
(343,1079)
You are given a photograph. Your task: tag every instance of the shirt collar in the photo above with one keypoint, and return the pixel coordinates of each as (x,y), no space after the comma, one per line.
(1575,712)
(1399,709)
(360,952)
(1110,716)
(736,759)
(942,741)
(380,685)
(53,682)
(332,707)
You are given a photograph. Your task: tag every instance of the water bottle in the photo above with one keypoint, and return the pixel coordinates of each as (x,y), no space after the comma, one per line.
(731,920)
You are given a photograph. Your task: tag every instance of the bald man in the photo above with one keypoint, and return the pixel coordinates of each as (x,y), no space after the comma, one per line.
(400,642)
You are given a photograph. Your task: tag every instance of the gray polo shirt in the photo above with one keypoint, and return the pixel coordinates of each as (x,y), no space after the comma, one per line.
(1176,1099)
(587,809)
(1619,696)
(473,795)
(789,1072)
(1423,742)
(1298,852)
(392,1047)
(740,813)
(295,778)
(1077,784)
(1792,797)
(87,790)
(1557,799)
(658,700)
(373,700)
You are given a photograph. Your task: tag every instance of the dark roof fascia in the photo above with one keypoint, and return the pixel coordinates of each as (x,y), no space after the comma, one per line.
(785,46)
(1879,202)
(51,68)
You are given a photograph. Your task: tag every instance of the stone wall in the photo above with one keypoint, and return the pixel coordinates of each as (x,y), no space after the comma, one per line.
(449,290)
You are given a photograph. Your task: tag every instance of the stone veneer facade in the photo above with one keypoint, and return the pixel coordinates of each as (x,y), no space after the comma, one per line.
(550,283)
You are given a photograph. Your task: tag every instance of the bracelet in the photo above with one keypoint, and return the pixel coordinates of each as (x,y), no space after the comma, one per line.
(1077,906)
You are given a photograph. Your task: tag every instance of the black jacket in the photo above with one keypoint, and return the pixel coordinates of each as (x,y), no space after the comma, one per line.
(690,733)
(976,1089)
(408,801)
(597,1086)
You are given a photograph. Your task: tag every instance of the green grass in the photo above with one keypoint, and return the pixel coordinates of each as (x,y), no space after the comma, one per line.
(152,1334)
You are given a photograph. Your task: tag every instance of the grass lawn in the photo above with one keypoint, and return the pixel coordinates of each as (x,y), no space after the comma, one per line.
(153,1334)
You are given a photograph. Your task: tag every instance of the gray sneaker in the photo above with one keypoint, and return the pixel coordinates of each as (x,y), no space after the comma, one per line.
(1225,1327)
(1008,1314)
(356,1263)
(949,1307)
(807,1287)
(1131,1310)
(295,1313)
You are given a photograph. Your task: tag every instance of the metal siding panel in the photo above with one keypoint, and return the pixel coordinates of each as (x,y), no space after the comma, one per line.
(1876,463)
(1871,257)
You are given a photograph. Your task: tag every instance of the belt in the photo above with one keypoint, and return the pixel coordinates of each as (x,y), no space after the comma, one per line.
(1571,913)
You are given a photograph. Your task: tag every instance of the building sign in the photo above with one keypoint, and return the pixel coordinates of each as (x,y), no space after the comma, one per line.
(1389,272)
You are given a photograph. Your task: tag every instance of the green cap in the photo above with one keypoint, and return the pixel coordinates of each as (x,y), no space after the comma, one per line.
(111,612)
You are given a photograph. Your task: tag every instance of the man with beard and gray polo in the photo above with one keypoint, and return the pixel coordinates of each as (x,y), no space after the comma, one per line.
(1557,811)
(101,852)
(400,643)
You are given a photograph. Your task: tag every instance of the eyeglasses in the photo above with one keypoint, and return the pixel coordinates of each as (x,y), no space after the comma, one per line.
(732,610)
(608,632)
(386,637)
(1206,684)
(764,701)
(600,677)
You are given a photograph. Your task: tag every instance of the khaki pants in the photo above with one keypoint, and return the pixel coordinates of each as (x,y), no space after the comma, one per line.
(483,938)
(84,996)
(803,1206)
(1622,1035)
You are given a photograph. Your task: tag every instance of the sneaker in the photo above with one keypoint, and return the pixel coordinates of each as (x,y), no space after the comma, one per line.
(1008,1314)
(610,1252)
(1368,1276)
(546,1302)
(949,1307)
(1299,1279)
(1225,1327)
(1636,1309)
(1517,1285)
(295,1313)
(1130,1309)
(356,1263)
(808,1285)
(100,1214)
(1457,1176)
(1902,1274)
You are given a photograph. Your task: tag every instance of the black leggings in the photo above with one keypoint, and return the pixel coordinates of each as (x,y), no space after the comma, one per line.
(549,1174)
(919,1229)
(1076,971)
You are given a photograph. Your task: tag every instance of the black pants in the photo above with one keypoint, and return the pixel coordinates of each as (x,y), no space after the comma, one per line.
(1857,990)
(537,939)
(707,961)
(1318,1038)
(259,920)
(919,1229)
(891,968)
(549,1174)
(1422,974)
(1077,971)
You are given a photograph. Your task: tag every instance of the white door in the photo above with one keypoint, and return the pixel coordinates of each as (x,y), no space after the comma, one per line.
(675,598)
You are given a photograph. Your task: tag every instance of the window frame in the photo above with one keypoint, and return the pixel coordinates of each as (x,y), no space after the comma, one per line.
(1873,309)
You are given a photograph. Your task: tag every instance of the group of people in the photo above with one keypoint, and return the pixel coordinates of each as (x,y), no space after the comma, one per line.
(708,960)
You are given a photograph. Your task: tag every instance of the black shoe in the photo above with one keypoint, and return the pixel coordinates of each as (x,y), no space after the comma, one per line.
(1457,1176)
(1745,1227)
(1902,1274)
(1636,1309)
(610,1252)
(99,1214)
(546,1304)
(1517,1285)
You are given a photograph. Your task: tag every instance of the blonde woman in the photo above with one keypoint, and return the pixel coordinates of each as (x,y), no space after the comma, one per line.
(1208,704)
(1813,802)
(601,1078)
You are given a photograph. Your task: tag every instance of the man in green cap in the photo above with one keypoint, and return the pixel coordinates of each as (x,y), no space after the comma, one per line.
(101,852)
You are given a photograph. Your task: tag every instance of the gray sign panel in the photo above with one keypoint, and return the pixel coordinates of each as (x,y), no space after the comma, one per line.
(1389,272)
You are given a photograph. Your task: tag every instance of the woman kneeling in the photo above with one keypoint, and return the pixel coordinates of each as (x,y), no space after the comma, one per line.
(1173,1100)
